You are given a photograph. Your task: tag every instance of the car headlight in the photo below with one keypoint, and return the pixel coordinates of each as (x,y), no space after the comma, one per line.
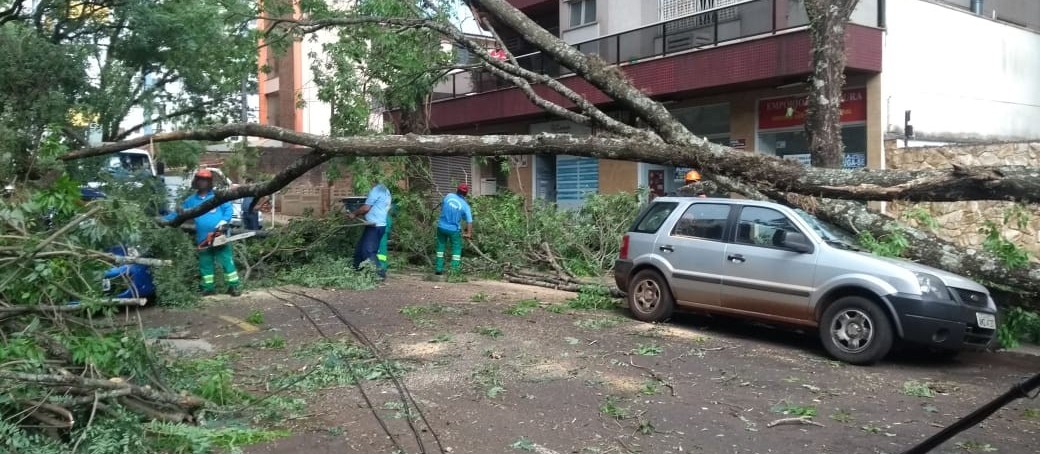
(932,286)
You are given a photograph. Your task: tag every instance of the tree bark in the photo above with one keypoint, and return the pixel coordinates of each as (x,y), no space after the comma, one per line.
(827,21)
(957,184)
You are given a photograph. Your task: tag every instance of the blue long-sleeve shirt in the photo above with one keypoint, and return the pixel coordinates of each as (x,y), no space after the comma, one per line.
(208,221)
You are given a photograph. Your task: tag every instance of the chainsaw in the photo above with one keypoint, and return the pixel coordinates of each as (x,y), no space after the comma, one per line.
(218,238)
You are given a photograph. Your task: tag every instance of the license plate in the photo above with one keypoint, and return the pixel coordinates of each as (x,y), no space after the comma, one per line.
(106,285)
(987,321)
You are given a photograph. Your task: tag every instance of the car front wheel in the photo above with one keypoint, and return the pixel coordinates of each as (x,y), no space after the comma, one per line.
(856,330)
(649,297)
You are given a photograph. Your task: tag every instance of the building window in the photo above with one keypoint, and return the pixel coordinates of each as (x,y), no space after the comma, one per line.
(705,121)
(794,145)
(273,110)
(463,56)
(781,127)
(711,122)
(674,9)
(582,12)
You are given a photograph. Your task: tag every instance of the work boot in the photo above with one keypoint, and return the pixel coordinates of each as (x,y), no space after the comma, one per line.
(208,292)
(234,291)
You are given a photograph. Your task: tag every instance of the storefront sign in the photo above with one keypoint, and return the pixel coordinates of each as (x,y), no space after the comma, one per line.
(680,173)
(852,160)
(803,159)
(855,160)
(790,111)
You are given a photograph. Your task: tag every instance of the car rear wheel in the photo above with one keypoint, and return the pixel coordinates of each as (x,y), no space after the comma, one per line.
(649,297)
(855,330)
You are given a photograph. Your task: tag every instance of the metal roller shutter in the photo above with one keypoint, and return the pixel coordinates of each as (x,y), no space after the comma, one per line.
(575,177)
(449,171)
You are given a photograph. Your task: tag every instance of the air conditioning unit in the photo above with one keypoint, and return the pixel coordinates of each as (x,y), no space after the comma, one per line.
(488,186)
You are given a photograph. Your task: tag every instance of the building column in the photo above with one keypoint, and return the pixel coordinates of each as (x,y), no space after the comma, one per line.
(875,124)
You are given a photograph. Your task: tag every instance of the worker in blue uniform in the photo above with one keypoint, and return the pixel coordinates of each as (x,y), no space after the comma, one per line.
(454,210)
(206,226)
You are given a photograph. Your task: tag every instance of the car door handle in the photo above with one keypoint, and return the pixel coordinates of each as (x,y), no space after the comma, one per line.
(667,249)
(736,258)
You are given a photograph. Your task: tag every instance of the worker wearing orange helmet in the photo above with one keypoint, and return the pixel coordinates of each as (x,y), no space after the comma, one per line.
(206,226)
(693,178)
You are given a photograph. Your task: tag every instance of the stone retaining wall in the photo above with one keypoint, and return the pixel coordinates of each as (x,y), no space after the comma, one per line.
(960,221)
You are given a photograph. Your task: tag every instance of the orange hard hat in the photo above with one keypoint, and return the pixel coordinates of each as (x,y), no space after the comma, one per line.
(693,175)
(204,173)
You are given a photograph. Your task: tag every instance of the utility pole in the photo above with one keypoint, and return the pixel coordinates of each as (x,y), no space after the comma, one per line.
(908,129)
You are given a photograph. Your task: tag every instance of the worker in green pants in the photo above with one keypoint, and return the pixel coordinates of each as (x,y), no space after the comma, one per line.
(207,226)
(222,255)
(381,253)
(454,209)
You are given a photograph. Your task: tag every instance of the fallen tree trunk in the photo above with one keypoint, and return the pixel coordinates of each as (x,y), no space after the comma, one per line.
(957,184)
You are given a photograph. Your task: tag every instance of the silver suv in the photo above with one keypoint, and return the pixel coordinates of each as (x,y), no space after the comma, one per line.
(765,261)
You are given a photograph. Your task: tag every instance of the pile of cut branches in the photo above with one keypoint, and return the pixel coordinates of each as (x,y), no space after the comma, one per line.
(72,359)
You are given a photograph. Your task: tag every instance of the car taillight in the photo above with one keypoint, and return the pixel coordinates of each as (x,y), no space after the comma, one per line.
(624,248)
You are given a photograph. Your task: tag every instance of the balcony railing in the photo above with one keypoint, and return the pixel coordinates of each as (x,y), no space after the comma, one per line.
(708,28)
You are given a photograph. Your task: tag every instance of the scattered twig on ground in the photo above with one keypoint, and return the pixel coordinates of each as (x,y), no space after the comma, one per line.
(698,351)
(803,420)
(625,446)
(735,407)
(654,376)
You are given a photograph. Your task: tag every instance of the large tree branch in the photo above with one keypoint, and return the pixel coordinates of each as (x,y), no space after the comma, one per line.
(295,170)
(11,13)
(957,184)
(611,80)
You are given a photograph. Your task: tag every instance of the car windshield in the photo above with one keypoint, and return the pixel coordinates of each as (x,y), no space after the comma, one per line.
(829,233)
(128,162)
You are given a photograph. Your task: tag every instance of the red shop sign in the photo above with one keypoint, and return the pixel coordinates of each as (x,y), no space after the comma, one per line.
(773,113)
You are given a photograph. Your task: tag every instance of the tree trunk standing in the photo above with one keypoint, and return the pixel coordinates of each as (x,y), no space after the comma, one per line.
(415,120)
(827,21)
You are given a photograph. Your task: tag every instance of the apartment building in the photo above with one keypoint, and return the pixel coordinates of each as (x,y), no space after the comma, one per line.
(735,72)
(288,93)
(288,97)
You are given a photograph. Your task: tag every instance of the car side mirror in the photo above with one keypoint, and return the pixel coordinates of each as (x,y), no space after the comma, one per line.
(160,168)
(797,242)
